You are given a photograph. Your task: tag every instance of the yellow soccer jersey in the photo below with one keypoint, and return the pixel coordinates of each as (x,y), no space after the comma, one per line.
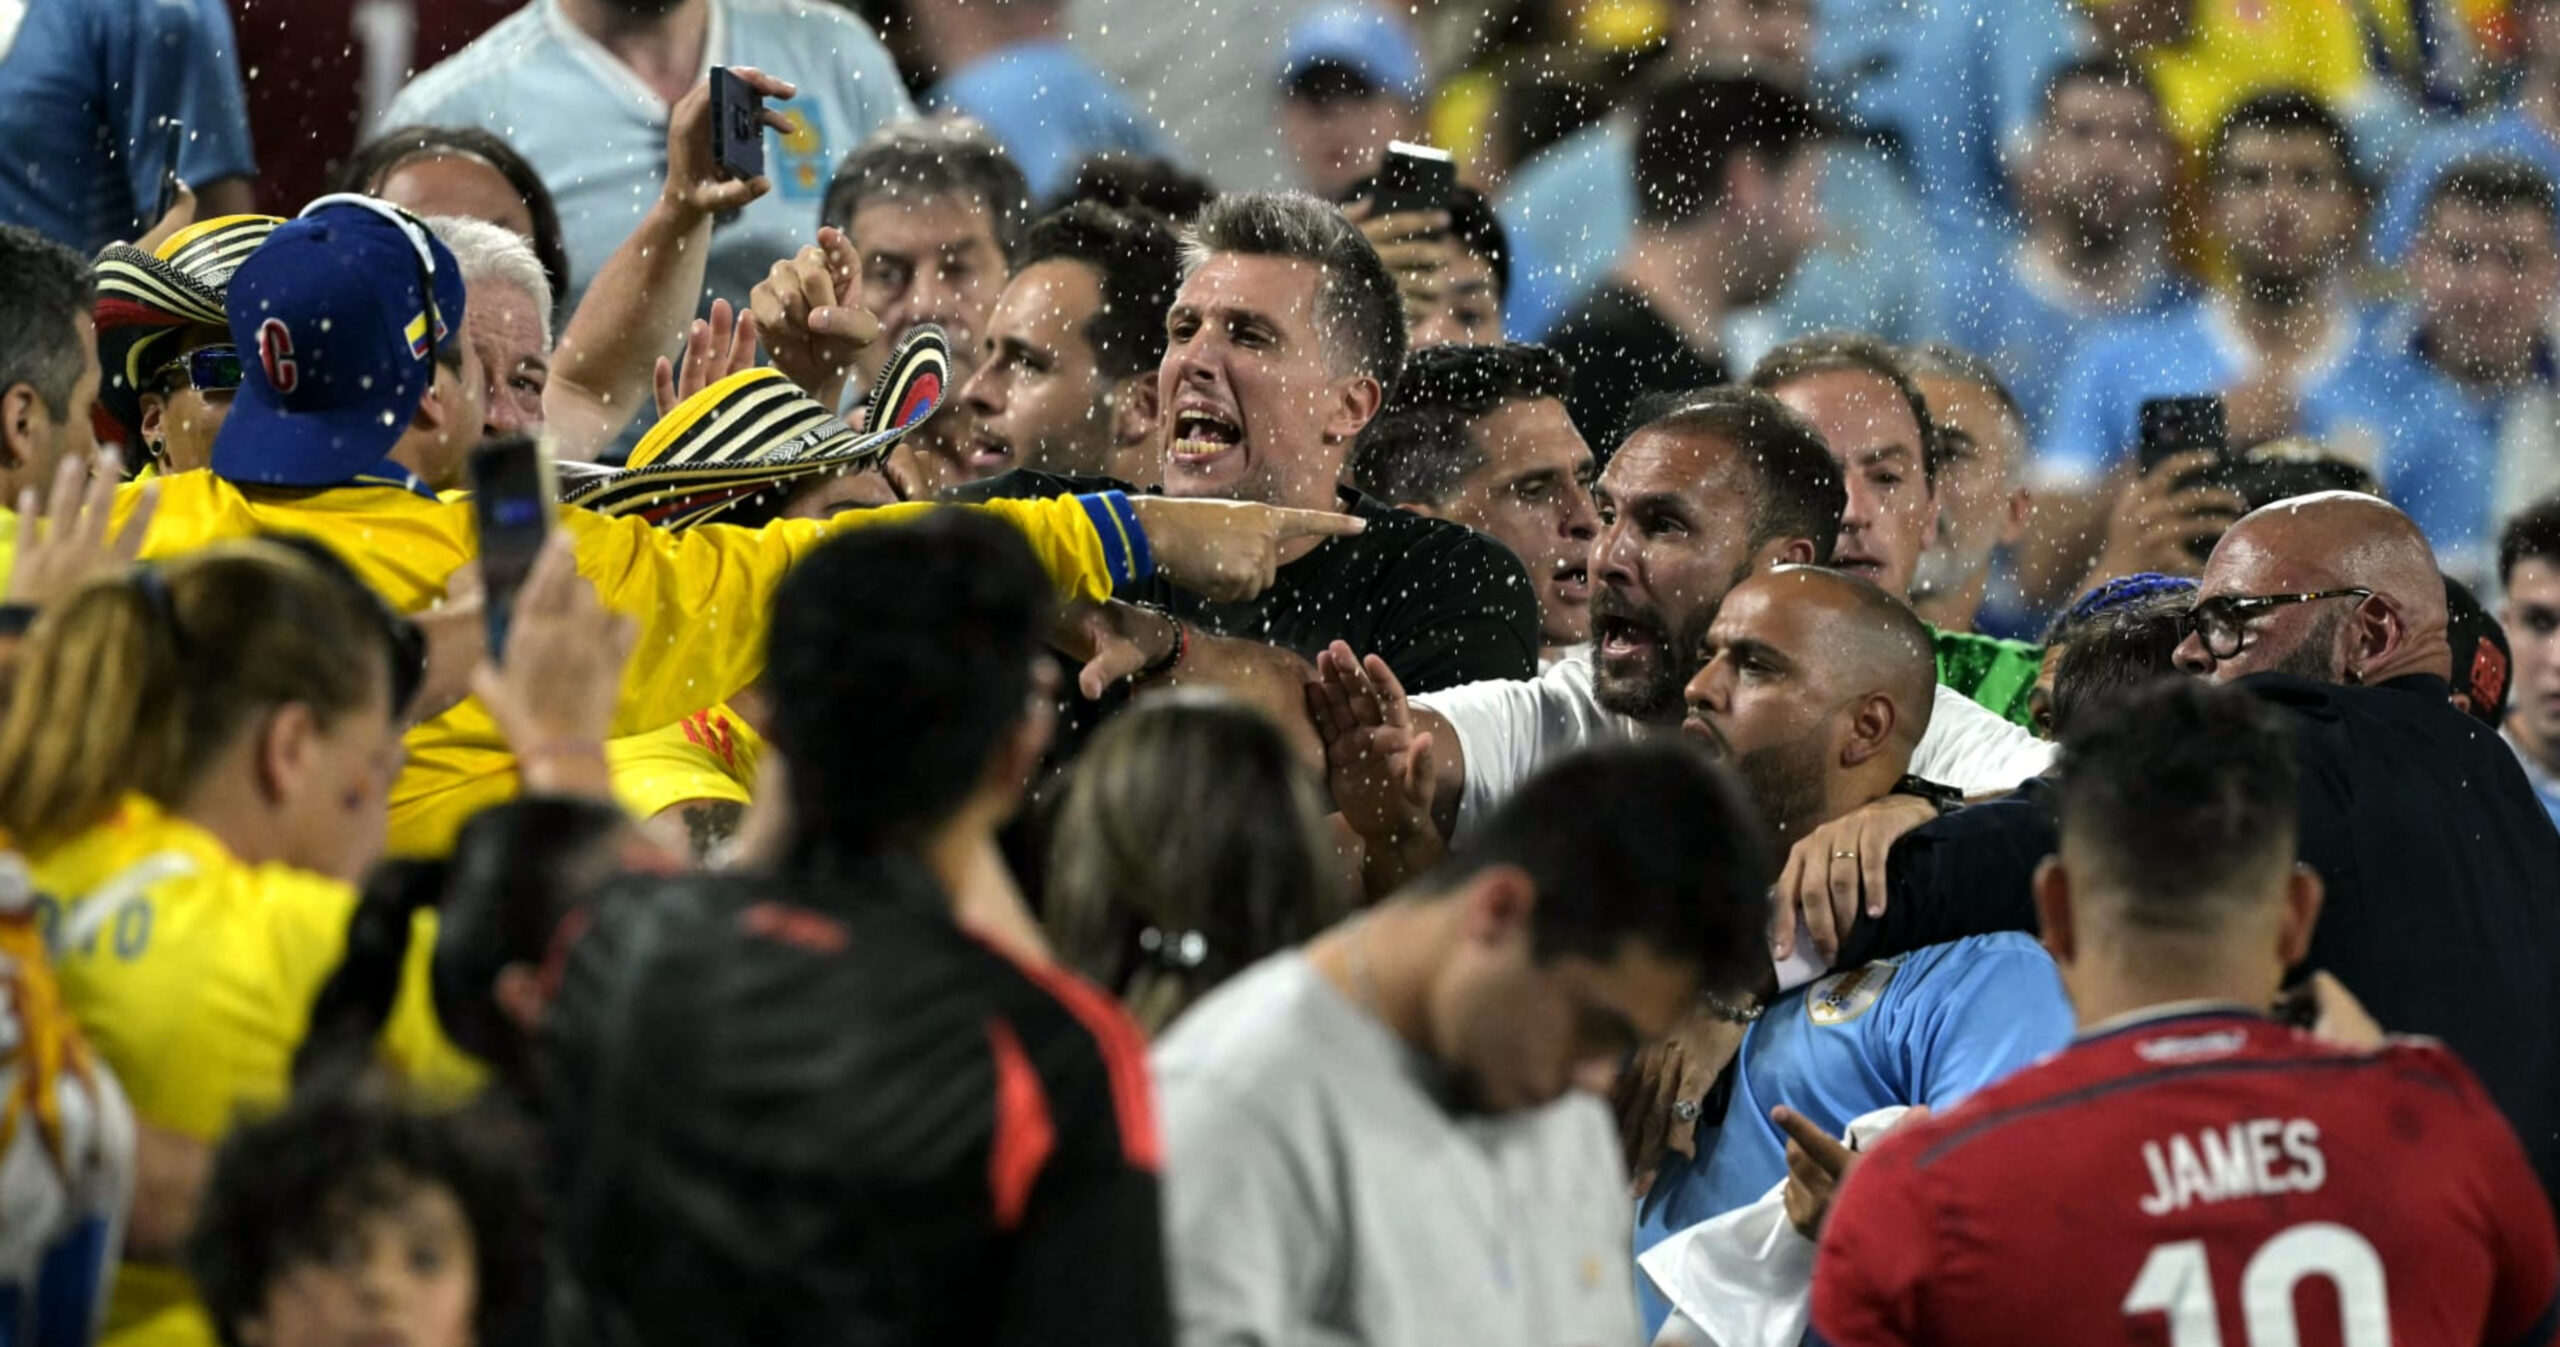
(192,973)
(700,595)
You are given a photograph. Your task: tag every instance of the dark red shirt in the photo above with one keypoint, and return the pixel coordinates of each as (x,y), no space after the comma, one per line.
(2200,1180)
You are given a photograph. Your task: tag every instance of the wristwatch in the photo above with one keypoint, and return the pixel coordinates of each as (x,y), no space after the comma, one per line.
(1947,798)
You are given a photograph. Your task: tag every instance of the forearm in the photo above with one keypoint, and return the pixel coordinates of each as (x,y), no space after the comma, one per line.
(641,298)
(1272,680)
(228,196)
(169,1172)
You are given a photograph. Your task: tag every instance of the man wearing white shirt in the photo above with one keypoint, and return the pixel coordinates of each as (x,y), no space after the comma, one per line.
(583,88)
(1726,486)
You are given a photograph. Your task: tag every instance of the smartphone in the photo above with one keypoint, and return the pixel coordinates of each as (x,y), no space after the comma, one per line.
(1415,178)
(514,490)
(737,125)
(173,138)
(2174,426)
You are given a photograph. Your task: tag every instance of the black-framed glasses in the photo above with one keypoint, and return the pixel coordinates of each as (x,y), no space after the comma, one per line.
(2223,620)
(207,369)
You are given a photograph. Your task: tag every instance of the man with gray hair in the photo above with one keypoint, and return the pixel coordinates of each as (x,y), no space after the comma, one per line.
(1282,344)
(508,322)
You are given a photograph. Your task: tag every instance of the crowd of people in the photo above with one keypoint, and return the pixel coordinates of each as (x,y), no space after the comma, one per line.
(1887,674)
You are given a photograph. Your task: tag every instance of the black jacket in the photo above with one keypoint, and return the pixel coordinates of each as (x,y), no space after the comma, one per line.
(2442,871)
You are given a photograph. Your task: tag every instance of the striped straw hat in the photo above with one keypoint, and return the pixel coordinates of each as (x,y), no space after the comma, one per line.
(145,300)
(755,431)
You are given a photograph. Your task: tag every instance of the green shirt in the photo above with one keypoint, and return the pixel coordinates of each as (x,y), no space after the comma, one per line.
(1998,674)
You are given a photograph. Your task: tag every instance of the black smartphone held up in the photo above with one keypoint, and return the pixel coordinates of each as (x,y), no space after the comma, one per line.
(514,491)
(737,125)
(173,137)
(1415,177)
(2174,426)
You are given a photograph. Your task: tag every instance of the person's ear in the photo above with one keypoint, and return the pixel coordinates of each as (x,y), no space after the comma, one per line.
(2303,896)
(518,994)
(1871,725)
(1782,552)
(283,747)
(2013,521)
(432,413)
(1355,405)
(2052,889)
(155,425)
(1134,410)
(25,422)
(1499,901)
(2375,635)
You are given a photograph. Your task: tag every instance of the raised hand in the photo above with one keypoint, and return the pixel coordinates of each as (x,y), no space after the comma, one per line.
(694,180)
(713,351)
(808,314)
(63,539)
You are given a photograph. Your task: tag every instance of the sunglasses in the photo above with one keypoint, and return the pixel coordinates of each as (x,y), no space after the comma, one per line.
(2223,621)
(207,369)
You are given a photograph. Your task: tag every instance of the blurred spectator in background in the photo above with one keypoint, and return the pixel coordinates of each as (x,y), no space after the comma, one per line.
(2208,57)
(584,89)
(2279,339)
(1006,65)
(463,170)
(1126,180)
(1163,915)
(1726,172)
(321,73)
(934,212)
(2472,427)
(1470,1018)
(2523,125)
(168,368)
(1453,266)
(49,373)
(1066,382)
(2091,178)
(100,99)
(1204,72)
(2529,573)
(1573,207)
(1351,80)
(1983,501)
(1478,435)
(352,1218)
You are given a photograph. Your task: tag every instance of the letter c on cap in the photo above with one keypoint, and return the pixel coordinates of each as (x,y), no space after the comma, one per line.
(275,351)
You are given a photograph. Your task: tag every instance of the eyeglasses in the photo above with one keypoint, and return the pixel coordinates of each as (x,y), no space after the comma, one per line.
(2223,621)
(207,369)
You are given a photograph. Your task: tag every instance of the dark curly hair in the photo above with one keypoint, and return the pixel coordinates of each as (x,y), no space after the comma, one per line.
(284,1187)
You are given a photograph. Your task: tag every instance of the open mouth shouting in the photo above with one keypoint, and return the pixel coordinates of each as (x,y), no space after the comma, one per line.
(1203,435)
(1571,584)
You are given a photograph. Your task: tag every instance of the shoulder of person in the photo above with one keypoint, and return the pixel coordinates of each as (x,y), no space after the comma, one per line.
(476,74)
(1422,540)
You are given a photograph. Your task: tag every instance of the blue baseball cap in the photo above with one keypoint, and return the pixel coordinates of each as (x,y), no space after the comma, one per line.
(338,317)
(1365,41)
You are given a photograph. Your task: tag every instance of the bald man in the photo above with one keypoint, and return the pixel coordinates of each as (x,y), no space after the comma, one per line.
(2334,588)
(2442,869)
(1817,687)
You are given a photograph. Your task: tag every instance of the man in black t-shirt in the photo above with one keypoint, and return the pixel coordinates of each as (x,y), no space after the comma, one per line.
(1727,174)
(1284,340)
(841,1094)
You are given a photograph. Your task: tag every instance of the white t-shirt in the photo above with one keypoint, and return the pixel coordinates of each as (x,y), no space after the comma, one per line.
(1316,1192)
(1508,729)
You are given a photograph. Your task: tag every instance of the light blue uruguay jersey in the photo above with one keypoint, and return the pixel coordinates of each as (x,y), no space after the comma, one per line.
(1929,1027)
(598,134)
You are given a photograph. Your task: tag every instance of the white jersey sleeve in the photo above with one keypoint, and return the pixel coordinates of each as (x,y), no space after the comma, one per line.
(1976,751)
(1509,728)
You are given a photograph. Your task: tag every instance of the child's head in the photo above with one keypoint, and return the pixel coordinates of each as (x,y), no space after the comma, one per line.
(345,1221)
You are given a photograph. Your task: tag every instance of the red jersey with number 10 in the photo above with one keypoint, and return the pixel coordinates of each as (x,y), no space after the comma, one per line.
(2199,1180)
